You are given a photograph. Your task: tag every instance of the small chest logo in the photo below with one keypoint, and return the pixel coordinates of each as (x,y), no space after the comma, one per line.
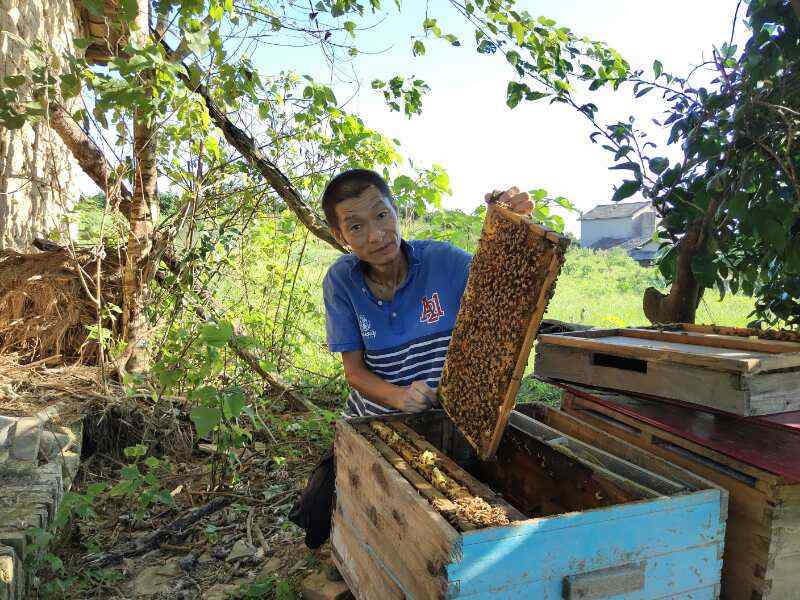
(365,326)
(432,309)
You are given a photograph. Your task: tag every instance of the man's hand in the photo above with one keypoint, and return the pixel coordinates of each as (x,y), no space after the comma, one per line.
(516,201)
(415,398)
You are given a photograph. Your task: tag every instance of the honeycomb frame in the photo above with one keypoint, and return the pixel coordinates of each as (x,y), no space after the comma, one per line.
(510,283)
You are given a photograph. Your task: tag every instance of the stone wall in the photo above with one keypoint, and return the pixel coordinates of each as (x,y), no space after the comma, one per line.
(38,175)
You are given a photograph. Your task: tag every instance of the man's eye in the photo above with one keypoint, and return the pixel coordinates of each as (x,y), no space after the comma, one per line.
(355,227)
(383,214)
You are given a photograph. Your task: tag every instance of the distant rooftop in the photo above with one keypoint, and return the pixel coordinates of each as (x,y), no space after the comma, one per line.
(618,210)
(607,243)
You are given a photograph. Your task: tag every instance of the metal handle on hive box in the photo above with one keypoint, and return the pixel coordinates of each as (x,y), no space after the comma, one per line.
(605,583)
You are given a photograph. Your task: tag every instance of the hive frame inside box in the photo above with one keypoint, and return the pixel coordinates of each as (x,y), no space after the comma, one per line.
(690,363)
(388,541)
(762,542)
(469,345)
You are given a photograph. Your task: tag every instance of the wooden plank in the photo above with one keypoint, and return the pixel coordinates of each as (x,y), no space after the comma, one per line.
(540,480)
(419,483)
(775,392)
(784,335)
(509,285)
(475,487)
(714,340)
(700,386)
(414,541)
(362,570)
(767,453)
(598,438)
(627,475)
(653,351)
(682,535)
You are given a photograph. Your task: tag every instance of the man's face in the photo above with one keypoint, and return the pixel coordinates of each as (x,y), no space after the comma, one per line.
(368,224)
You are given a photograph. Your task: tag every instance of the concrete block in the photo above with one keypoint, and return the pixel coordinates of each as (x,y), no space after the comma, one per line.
(317,587)
(26,439)
(12,575)
(16,540)
(8,426)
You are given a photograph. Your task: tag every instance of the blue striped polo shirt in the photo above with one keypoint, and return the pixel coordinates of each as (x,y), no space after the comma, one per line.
(404,339)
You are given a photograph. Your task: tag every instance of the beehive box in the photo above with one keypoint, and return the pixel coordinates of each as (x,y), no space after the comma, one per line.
(605,520)
(739,374)
(757,460)
(511,280)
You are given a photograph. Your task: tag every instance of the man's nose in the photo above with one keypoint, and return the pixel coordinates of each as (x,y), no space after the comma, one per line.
(376,234)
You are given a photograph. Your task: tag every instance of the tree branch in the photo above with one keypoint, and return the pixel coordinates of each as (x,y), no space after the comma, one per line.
(276,179)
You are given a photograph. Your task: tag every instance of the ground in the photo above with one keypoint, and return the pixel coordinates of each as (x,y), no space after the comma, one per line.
(222,555)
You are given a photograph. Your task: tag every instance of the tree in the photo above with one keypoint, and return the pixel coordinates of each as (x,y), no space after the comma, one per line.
(730,206)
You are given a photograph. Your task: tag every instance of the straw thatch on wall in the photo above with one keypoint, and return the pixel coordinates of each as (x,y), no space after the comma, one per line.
(45,304)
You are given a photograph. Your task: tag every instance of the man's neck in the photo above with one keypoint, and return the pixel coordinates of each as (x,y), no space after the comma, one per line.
(388,277)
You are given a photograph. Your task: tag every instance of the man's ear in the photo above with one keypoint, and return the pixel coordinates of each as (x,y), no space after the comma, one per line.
(337,234)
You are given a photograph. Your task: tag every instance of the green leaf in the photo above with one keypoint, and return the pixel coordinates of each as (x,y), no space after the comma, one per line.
(216,335)
(152,462)
(95,7)
(82,43)
(136,451)
(626,190)
(129,8)
(197,41)
(350,27)
(234,403)
(658,68)
(14,81)
(205,418)
(518,30)
(658,165)
(418,49)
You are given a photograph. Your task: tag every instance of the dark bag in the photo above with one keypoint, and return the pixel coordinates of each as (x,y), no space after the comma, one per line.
(314,508)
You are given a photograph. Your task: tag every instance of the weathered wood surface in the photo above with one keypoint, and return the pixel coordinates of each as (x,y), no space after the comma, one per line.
(475,487)
(762,544)
(652,372)
(510,283)
(731,354)
(385,513)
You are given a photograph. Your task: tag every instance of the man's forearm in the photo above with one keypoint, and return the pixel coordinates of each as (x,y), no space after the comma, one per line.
(374,388)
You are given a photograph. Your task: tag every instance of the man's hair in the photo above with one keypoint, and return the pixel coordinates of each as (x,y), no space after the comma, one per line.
(348,185)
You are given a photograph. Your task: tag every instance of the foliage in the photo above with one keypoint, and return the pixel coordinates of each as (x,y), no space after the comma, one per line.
(143,488)
(736,180)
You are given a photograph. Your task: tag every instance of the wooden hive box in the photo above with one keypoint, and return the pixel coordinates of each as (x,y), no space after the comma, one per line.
(757,460)
(724,371)
(599,520)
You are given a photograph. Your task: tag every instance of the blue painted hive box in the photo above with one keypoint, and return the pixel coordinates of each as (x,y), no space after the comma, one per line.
(589,515)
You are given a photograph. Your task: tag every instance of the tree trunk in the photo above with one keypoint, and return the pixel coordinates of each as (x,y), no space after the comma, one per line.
(138,268)
(680,305)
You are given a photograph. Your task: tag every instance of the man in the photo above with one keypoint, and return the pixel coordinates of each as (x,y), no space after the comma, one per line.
(391,304)
(390,308)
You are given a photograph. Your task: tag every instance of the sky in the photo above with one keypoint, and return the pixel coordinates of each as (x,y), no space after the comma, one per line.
(466,126)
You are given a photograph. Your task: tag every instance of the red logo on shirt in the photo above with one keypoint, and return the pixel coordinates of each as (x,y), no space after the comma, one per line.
(431,309)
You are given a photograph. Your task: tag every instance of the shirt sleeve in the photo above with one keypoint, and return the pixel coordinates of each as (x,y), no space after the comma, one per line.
(341,326)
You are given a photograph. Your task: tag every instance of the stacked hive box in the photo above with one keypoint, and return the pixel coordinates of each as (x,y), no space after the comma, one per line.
(711,400)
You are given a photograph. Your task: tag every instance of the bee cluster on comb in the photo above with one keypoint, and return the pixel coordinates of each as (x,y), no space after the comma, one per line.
(511,280)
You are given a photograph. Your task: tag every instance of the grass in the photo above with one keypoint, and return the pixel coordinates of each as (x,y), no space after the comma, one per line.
(598,288)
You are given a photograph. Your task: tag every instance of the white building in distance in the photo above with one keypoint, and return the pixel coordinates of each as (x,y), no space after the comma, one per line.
(629,225)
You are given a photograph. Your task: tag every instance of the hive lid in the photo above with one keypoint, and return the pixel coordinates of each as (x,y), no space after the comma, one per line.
(511,280)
